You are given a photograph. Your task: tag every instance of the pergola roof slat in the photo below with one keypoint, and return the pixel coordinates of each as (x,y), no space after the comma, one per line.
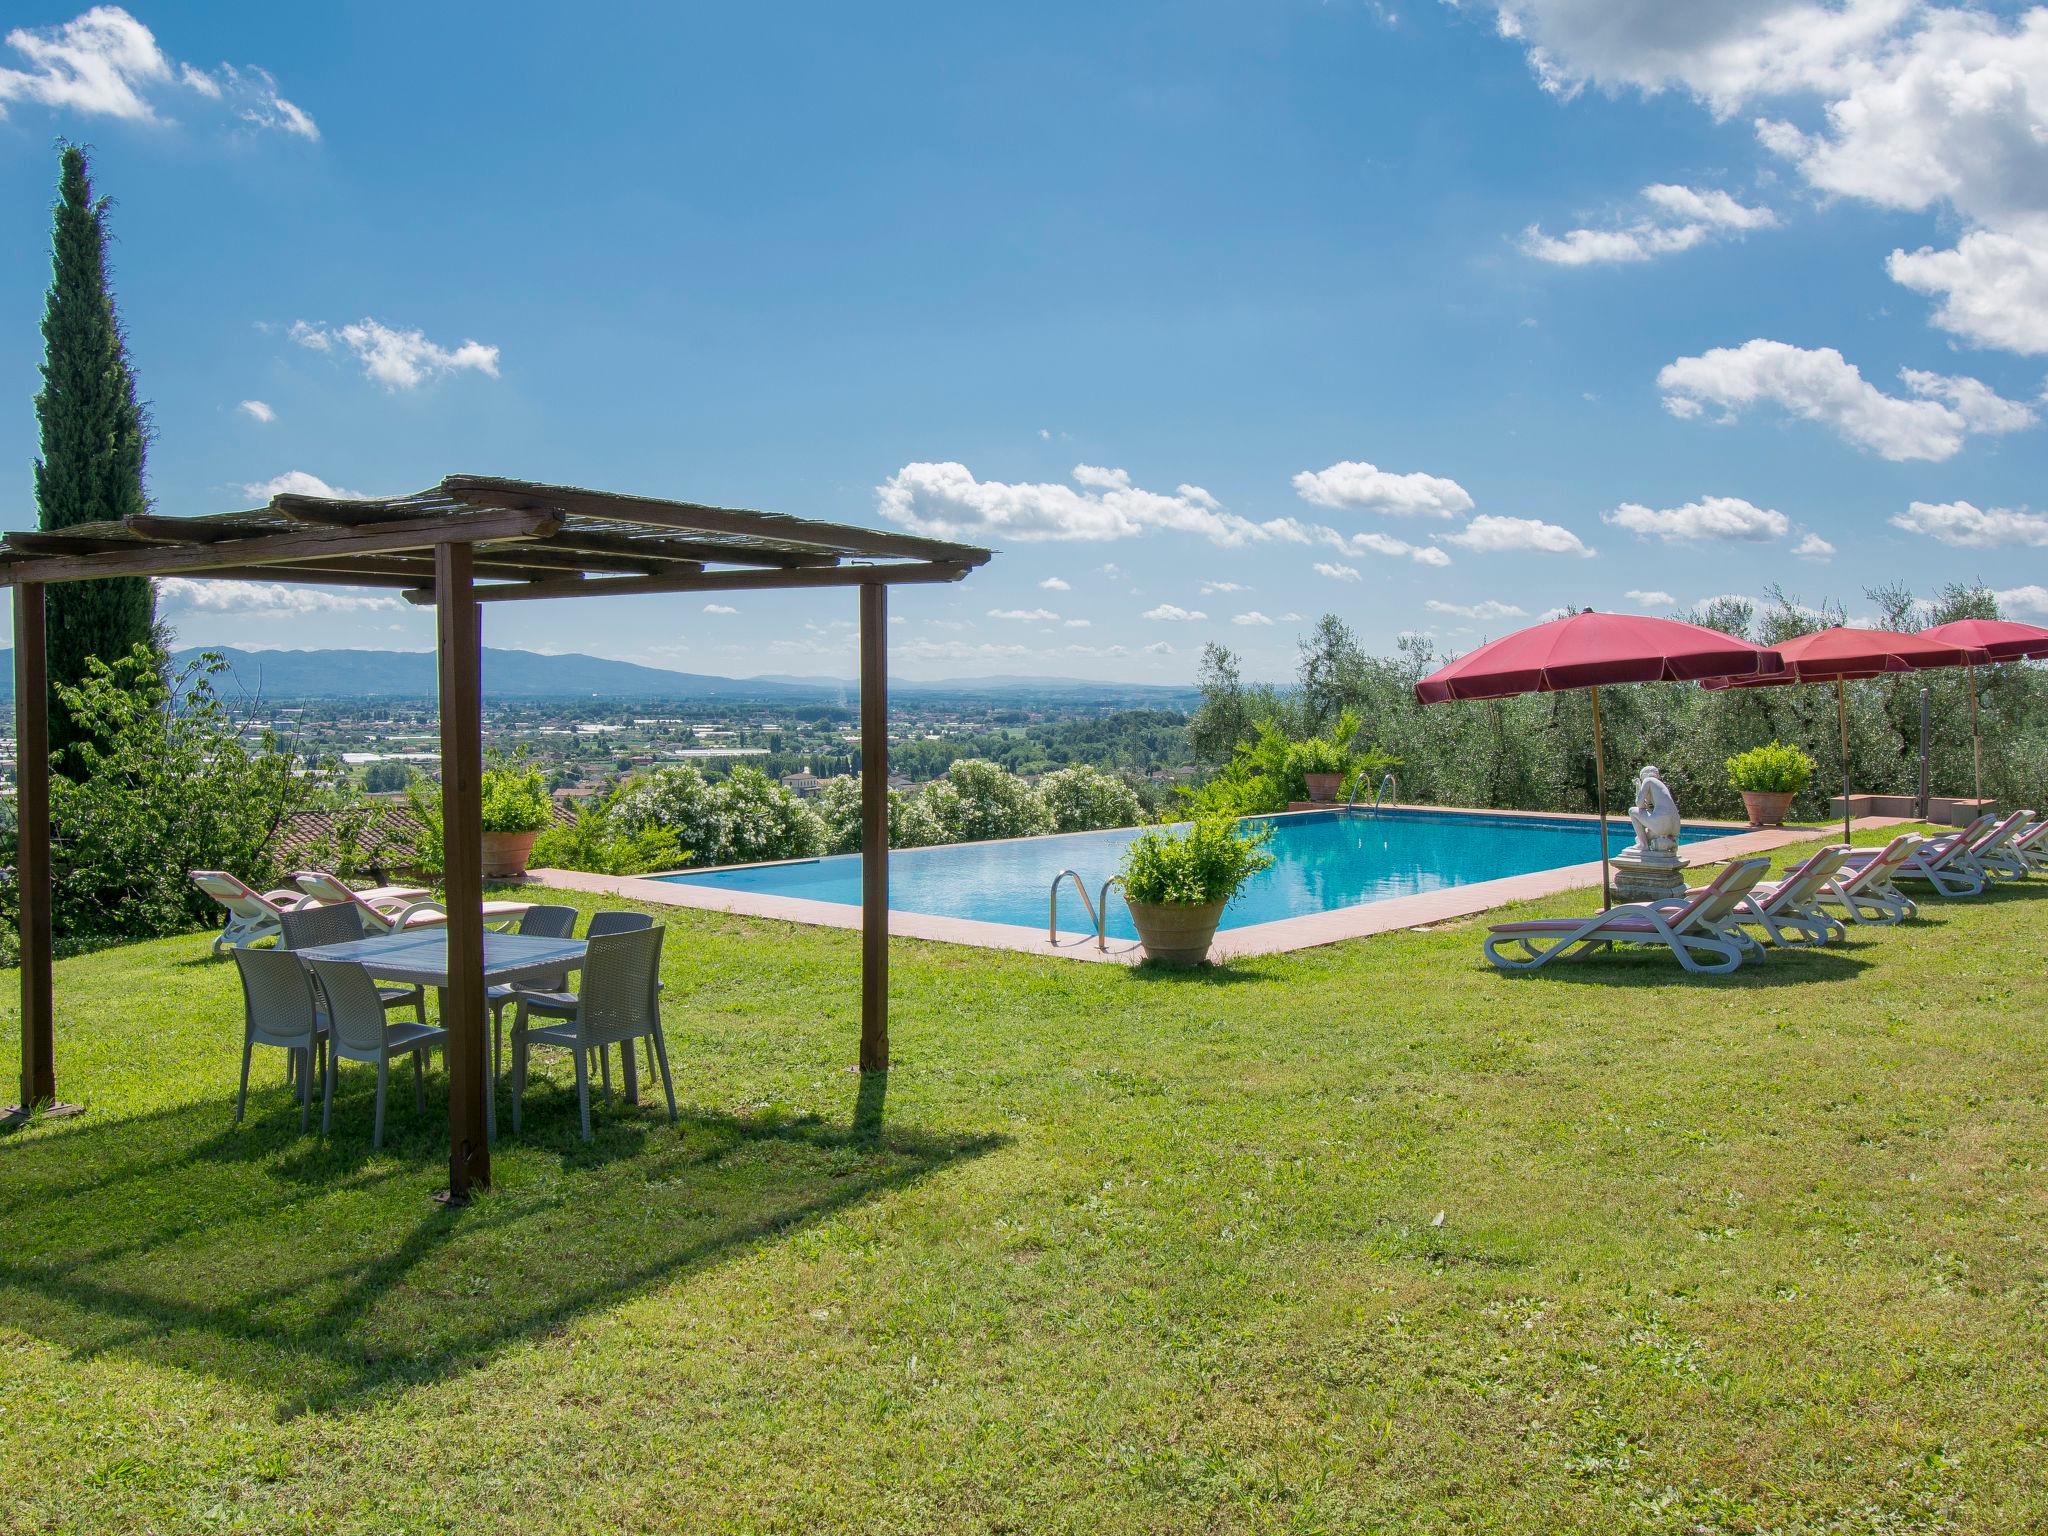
(693,517)
(544,538)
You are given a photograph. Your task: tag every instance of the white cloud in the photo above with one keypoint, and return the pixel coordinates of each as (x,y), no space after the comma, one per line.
(1211,588)
(1352,486)
(397,359)
(1820,385)
(2031,598)
(719,608)
(1251,620)
(1500,535)
(1487,609)
(1080,623)
(105,63)
(1173,613)
(1678,218)
(1711,517)
(1337,572)
(1026,615)
(1912,105)
(1160,648)
(1650,598)
(256,410)
(1723,53)
(264,599)
(948,501)
(1055,584)
(1970,527)
(299,483)
(1814,547)
(1994,289)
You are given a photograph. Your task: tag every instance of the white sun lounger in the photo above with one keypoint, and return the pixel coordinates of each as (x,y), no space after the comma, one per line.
(1994,854)
(1788,909)
(1942,862)
(1862,887)
(2031,844)
(252,914)
(385,912)
(1695,927)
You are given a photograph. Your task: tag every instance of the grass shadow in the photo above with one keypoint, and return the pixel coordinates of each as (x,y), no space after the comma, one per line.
(1216,973)
(1780,968)
(319,1272)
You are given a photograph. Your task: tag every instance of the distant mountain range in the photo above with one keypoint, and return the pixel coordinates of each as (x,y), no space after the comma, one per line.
(344,674)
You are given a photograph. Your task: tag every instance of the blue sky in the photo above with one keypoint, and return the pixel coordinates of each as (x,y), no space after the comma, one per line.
(1210,317)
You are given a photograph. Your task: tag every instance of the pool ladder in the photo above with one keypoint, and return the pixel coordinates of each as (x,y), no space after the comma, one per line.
(1098,909)
(1386,784)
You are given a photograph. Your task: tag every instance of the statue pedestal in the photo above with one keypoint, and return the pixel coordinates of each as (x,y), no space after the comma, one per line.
(1640,876)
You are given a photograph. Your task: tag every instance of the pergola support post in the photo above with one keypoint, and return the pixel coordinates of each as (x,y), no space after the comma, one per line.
(459,636)
(32,858)
(874,827)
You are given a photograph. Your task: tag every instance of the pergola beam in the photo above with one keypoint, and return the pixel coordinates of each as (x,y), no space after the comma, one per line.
(691,517)
(656,548)
(723,581)
(277,548)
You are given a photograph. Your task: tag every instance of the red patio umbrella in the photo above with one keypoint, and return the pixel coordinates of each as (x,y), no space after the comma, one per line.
(1842,653)
(1999,640)
(1591,650)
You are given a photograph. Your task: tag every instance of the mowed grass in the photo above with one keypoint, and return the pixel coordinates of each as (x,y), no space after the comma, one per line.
(1362,1238)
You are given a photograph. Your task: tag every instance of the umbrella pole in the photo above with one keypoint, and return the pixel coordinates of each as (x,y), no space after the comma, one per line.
(1842,716)
(1976,742)
(1600,781)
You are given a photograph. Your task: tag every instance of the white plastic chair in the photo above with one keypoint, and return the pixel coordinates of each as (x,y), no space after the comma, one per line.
(279,1009)
(358,1032)
(311,927)
(619,1002)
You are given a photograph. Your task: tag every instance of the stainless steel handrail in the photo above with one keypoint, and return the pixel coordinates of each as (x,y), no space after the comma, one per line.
(1102,911)
(1052,909)
(1359,783)
(1381,791)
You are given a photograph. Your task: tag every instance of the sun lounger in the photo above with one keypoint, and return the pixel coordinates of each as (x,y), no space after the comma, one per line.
(1993,853)
(386,913)
(1788,909)
(1942,862)
(2031,844)
(1862,887)
(252,914)
(1695,927)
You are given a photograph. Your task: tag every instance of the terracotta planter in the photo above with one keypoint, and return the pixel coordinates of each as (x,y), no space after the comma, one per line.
(505,853)
(1176,934)
(1766,807)
(1323,787)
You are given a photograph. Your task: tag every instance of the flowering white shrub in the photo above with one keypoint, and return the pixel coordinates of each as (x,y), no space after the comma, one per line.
(1084,799)
(743,819)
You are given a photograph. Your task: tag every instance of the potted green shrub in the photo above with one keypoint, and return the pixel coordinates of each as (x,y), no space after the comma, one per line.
(517,808)
(1322,764)
(1768,777)
(1177,882)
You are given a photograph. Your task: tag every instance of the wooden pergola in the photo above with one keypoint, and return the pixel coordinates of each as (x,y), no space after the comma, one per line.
(472,539)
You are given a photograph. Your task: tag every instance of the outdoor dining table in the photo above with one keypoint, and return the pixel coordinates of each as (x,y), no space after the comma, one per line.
(420,956)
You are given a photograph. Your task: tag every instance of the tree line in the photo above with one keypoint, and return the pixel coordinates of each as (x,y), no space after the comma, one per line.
(1536,752)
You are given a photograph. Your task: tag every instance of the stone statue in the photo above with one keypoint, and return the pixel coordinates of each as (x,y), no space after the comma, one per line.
(1655,814)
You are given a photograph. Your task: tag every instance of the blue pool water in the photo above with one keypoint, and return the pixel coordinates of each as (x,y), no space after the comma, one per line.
(1322,860)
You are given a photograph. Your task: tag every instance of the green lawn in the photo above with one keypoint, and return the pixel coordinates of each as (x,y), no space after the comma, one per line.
(1362,1238)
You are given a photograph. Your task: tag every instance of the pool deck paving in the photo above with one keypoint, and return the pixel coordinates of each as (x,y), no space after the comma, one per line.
(1353,922)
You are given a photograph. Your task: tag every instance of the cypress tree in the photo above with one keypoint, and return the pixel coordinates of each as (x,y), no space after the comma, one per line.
(94,432)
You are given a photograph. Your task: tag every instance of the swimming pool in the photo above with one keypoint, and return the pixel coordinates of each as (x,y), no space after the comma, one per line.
(1322,861)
